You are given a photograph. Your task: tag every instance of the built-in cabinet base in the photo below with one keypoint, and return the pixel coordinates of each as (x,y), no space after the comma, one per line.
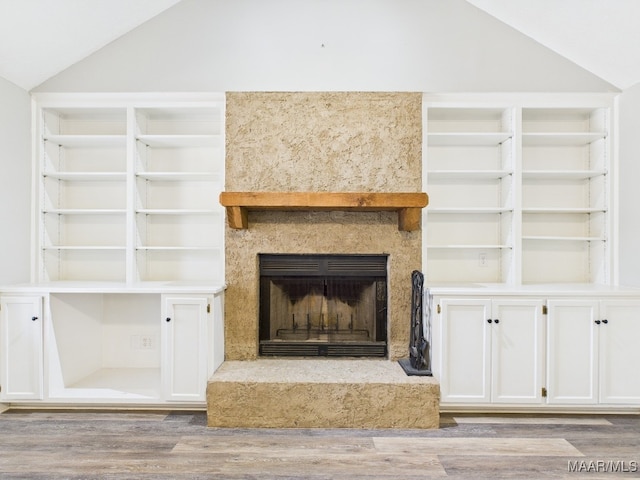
(535,348)
(147,344)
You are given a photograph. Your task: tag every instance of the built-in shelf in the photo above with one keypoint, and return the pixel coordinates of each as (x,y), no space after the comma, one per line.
(468,138)
(125,190)
(562,174)
(180,140)
(471,210)
(87,176)
(180,176)
(561,138)
(471,174)
(520,192)
(87,140)
(85,211)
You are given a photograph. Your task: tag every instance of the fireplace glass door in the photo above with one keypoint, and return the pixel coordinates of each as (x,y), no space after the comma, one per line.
(323,305)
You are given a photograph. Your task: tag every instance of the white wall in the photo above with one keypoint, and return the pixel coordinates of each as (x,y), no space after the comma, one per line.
(629,187)
(15,183)
(325,45)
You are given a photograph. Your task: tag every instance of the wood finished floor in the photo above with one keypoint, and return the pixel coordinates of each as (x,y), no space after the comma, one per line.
(179,445)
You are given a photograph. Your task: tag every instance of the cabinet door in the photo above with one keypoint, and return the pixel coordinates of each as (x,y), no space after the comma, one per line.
(619,331)
(21,332)
(184,344)
(465,358)
(517,351)
(572,351)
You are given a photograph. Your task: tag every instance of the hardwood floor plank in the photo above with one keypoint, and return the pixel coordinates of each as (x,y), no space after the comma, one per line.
(178,445)
(533,420)
(479,446)
(292,445)
(517,468)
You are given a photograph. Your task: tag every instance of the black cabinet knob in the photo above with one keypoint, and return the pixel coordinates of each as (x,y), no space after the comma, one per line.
(489,320)
(497,320)
(33,319)
(597,322)
(605,321)
(168,319)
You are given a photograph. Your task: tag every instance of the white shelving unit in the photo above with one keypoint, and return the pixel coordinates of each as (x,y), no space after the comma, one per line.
(82,200)
(470,170)
(519,189)
(128,187)
(519,254)
(126,300)
(565,190)
(179,173)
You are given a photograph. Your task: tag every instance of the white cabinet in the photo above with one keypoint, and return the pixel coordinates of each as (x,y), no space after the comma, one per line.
(127,187)
(490,351)
(185,346)
(592,352)
(568,350)
(21,347)
(520,189)
(619,354)
(123,345)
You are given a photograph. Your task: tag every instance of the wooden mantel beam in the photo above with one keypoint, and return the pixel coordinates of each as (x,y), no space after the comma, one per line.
(408,205)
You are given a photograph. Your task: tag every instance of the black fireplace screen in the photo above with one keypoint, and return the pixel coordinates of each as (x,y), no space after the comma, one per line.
(327,305)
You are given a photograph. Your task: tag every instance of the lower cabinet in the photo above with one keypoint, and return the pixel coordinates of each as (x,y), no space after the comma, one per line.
(491,351)
(110,347)
(21,347)
(563,351)
(184,347)
(592,352)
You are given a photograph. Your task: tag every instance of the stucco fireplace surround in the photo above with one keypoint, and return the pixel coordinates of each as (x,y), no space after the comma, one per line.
(362,142)
(320,142)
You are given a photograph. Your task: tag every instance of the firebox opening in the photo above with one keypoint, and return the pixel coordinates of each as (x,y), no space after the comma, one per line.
(323,305)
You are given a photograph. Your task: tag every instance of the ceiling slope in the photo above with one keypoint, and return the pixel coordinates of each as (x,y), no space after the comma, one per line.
(39,38)
(333,45)
(602,36)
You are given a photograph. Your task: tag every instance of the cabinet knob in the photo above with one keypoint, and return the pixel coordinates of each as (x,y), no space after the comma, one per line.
(496,320)
(168,319)
(489,320)
(605,321)
(33,319)
(597,322)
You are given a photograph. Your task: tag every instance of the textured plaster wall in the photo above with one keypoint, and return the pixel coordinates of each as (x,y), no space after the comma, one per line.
(341,142)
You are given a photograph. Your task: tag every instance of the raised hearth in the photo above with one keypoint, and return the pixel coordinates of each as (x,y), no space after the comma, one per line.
(321,393)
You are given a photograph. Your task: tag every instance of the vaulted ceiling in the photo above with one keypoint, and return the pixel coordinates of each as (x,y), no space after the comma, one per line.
(40,38)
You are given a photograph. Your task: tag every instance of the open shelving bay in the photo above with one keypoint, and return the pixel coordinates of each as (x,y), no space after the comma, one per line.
(520,189)
(125,304)
(128,188)
(470,161)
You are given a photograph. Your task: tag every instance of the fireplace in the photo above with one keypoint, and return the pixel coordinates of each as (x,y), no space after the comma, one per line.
(323,305)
